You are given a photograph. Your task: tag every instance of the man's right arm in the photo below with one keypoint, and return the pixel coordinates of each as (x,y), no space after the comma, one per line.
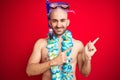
(34,67)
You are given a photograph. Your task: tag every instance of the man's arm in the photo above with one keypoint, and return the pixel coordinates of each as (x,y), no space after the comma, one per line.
(84,63)
(34,66)
(84,56)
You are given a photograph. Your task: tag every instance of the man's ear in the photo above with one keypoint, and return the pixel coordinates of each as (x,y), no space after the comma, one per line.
(49,22)
(68,22)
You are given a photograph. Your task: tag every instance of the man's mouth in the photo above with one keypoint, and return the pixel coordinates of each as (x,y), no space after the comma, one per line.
(59,29)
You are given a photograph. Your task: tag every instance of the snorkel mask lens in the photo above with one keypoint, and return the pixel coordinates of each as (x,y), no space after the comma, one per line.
(62,5)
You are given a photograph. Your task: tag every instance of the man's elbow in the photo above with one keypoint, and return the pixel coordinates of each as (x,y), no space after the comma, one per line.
(85,73)
(32,71)
(28,72)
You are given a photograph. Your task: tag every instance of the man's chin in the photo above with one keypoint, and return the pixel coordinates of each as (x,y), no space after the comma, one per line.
(59,33)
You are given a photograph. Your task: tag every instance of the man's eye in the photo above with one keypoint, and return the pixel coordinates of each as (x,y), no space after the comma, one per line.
(63,20)
(54,20)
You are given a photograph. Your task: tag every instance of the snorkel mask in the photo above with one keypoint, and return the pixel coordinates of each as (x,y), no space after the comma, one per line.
(54,5)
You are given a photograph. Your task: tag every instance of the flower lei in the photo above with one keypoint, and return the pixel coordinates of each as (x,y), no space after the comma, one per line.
(66,73)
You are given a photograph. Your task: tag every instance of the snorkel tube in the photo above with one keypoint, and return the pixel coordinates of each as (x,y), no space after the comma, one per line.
(47,6)
(50,34)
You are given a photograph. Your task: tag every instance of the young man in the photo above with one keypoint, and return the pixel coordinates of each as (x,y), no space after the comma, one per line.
(56,58)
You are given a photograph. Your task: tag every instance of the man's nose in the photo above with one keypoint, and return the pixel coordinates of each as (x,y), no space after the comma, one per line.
(59,24)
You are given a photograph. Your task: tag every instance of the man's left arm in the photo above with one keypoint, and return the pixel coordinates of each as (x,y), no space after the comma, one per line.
(84,63)
(84,57)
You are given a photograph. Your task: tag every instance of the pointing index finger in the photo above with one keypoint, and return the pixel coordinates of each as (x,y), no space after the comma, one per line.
(95,40)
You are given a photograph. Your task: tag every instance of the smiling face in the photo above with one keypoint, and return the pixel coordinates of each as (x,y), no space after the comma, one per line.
(59,21)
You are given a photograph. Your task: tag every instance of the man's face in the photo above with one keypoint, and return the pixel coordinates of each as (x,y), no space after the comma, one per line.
(59,21)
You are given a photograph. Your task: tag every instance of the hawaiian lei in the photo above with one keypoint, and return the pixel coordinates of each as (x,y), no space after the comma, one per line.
(66,73)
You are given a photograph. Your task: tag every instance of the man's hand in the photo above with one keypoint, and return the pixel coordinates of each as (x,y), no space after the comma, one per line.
(60,59)
(90,48)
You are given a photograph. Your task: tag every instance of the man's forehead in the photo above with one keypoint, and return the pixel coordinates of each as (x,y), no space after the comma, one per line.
(58,10)
(58,13)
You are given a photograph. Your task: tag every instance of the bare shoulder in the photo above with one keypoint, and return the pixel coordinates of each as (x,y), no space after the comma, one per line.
(78,44)
(41,42)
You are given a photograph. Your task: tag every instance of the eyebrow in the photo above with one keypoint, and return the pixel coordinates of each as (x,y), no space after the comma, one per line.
(57,20)
(63,19)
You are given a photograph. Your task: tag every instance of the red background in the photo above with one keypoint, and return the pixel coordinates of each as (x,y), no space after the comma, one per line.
(25,21)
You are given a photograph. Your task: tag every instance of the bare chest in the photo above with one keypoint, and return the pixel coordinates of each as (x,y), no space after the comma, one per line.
(44,58)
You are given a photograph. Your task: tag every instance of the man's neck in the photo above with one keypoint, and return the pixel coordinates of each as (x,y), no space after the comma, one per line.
(60,38)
